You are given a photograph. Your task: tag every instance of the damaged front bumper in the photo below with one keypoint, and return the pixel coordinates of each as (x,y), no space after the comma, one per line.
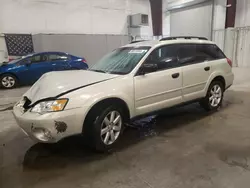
(49,127)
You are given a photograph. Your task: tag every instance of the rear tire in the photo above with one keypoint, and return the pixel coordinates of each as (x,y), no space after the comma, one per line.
(8,81)
(104,127)
(214,97)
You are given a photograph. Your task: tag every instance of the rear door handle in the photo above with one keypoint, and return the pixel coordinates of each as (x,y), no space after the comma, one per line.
(207,68)
(175,75)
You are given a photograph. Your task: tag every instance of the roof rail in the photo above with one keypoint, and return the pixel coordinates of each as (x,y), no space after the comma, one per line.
(184,37)
(136,41)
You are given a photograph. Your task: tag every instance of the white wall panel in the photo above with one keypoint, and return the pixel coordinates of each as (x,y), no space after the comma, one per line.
(242,13)
(219,38)
(3,53)
(103,21)
(70,16)
(219,17)
(165,19)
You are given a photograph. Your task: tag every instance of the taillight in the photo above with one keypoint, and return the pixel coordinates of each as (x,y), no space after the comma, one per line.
(84,61)
(229,62)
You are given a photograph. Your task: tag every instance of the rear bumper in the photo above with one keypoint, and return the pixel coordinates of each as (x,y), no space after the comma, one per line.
(228,87)
(229,78)
(49,127)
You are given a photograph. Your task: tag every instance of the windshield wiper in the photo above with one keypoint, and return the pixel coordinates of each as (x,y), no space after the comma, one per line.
(117,72)
(97,70)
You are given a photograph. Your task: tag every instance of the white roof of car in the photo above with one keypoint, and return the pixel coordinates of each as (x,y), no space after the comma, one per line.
(152,43)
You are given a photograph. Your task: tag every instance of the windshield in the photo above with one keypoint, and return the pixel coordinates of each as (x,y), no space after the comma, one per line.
(120,61)
(18,59)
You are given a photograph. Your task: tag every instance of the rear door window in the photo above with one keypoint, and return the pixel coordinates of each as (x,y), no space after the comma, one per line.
(35,59)
(57,57)
(187,54)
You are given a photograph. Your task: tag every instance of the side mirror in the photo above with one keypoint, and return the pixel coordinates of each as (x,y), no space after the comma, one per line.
(147,68)
(28,62)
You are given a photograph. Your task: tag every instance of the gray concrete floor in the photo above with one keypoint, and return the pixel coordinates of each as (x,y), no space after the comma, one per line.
(184,147)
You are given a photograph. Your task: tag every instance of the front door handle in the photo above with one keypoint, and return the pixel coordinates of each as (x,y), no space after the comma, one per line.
(175,75)
(207,68)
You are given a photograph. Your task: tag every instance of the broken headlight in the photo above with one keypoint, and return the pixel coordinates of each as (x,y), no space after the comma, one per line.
(50,106)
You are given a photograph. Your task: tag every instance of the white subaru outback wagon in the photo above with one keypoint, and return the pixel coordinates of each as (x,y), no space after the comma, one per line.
(134,80)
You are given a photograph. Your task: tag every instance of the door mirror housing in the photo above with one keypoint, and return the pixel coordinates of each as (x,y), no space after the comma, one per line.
(147,68)
(28,62)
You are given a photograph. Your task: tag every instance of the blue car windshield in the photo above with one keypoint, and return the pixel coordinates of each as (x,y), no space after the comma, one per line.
(18,59)
(120,61)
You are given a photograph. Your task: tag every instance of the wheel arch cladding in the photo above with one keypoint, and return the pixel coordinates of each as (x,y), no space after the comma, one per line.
(9,73)
(105,102)
(221,79)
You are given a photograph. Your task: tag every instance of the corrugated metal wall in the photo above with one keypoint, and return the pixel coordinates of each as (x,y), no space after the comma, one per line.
(235,42)
(219,38)
(242,47)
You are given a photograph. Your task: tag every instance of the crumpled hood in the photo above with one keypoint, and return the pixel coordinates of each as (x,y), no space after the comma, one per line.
(55,83)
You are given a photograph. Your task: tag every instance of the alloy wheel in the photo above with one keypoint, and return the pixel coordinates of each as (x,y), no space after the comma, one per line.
(111,127)
(215,95)
(8,81)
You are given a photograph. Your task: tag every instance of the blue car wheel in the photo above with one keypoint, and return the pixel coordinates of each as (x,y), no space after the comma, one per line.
(8,81)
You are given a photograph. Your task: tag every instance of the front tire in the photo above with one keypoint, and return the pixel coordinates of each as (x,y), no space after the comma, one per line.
(8,81)
(104,127)
(214,97)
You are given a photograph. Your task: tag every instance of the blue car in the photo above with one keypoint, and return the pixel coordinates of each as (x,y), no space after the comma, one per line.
(28,69)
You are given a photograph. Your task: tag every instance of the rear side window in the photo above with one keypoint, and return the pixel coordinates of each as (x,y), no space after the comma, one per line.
(213,51)
(198,53)
(57,57)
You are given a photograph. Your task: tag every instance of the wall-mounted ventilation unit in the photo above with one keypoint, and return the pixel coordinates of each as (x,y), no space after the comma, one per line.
(138,20)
